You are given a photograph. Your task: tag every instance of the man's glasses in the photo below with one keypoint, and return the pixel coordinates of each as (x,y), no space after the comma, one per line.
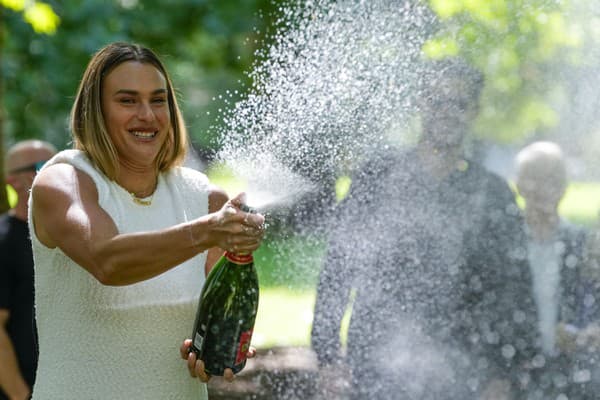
(35,167)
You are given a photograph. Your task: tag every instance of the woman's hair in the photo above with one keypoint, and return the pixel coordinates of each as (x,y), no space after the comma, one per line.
(87,119)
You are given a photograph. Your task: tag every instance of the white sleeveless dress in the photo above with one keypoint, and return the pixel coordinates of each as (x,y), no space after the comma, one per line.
(103,342)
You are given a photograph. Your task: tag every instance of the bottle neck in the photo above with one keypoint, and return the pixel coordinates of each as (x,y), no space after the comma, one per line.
(239,258)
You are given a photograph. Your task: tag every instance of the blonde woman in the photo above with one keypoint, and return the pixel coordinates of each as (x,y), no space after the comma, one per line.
(123,236)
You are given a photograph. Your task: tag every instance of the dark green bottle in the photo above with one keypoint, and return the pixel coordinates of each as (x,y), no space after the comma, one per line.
(226,314)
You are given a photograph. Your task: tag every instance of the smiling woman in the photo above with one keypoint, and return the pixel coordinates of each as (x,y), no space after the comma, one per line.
(123,236)
(137,116)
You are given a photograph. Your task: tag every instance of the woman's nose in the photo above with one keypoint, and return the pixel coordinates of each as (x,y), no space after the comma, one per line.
(144,112)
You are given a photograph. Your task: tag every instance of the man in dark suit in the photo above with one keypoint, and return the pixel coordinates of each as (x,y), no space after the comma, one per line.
(426,240)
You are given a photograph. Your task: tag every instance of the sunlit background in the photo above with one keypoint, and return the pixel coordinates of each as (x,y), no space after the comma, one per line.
(539,57)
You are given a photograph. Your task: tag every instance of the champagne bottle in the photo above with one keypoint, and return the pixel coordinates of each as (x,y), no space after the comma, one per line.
(226,314)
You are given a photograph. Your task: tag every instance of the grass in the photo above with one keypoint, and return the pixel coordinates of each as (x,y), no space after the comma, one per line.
(288,269)
(284,317)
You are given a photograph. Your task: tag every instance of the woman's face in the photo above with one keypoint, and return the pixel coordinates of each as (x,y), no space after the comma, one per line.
(136,112)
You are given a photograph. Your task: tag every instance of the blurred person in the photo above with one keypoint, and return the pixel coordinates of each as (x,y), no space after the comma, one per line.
(122,238)
(426,239)
(591,278)
(555,282)
(18,348)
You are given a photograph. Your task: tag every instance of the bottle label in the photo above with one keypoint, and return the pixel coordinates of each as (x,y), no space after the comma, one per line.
(198,341)
(239,258)
(244,346)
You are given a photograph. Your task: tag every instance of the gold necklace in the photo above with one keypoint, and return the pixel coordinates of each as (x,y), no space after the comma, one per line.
(142,201)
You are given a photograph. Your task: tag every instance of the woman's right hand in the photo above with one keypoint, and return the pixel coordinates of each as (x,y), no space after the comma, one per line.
(235,230)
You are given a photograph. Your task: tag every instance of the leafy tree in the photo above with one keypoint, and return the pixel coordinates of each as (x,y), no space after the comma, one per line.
(207,44)
(521,46)
(41,17)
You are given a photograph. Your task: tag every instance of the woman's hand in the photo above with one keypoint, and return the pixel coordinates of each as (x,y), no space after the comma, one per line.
(196,366)
(235,230)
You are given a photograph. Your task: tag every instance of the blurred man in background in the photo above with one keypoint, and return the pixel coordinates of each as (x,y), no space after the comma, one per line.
(18,352)
(556,284)
(427,238)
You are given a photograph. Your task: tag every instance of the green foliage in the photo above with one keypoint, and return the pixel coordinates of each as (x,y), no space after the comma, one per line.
(39,15)
(292,262)
(519,45)
(207,45)
(284,317)
(12,196)
(580,204)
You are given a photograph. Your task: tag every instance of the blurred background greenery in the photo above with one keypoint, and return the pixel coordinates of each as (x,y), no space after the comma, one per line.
(537,57)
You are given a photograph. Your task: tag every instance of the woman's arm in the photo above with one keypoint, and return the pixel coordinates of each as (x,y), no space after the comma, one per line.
(66,214)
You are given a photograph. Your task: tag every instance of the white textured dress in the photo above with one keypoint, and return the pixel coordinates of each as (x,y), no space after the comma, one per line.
(103,342)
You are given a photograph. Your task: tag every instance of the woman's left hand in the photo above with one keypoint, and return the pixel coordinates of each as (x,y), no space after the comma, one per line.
(196,366)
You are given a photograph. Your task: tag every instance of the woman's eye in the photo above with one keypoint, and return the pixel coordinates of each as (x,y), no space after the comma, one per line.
(126,100)
(159,100)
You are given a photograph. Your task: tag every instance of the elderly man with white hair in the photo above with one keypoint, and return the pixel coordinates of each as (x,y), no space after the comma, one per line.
(556,280)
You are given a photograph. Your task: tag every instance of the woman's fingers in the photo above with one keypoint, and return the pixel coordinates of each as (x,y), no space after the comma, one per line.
(184,350)
(235,230)
(228,375)
(196,368)
(191,363)
(200,372)
(237,224)
(239,200)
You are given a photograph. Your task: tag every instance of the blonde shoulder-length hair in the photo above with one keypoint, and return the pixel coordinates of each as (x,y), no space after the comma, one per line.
(87,119)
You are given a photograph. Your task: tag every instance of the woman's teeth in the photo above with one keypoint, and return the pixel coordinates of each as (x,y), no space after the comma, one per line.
(144,135)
